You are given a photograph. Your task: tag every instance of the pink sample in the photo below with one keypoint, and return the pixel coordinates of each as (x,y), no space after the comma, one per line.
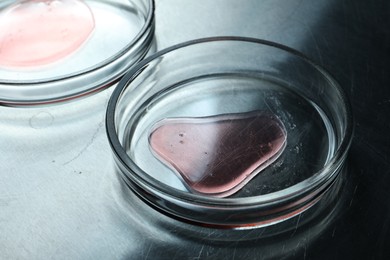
(218,155)
(39,32)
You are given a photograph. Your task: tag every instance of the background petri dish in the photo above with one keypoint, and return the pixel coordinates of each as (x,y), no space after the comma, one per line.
(74,48)
(232,76)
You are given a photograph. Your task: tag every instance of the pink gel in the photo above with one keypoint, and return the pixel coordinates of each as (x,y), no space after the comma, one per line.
(39,32)
(218,155)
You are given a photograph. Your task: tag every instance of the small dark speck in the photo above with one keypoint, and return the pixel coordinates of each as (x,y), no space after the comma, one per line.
(205,153)
(181,135)
(80,172)
(181,141)
(53,161)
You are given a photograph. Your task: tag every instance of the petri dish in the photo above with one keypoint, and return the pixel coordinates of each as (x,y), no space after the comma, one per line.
(53,51)
(230,132)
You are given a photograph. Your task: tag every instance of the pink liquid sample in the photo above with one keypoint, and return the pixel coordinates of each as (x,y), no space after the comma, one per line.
(218,155)
(39,32)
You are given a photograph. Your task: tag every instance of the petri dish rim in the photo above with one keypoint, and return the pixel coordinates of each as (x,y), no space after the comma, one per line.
(318,180)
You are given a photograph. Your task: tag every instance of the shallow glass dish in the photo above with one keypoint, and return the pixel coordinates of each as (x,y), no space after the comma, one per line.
(246,88)
(52,50)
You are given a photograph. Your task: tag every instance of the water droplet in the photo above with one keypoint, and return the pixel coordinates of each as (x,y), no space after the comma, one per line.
(41,120)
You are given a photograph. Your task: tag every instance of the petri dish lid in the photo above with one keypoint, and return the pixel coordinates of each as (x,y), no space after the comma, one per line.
(52,51)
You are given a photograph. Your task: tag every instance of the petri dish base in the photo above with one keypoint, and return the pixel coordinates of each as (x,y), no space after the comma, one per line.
(230,77)
(79,51)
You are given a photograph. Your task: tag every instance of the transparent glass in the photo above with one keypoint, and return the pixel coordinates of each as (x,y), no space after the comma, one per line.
(74,47)
(230,76)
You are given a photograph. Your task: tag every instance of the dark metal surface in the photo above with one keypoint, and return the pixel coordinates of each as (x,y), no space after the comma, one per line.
(60,197)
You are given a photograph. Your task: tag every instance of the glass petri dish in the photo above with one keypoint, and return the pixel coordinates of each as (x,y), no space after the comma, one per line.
(74,47)
(225,99)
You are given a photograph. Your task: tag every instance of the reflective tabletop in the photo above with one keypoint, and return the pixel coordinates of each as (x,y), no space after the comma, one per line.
(60,197)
